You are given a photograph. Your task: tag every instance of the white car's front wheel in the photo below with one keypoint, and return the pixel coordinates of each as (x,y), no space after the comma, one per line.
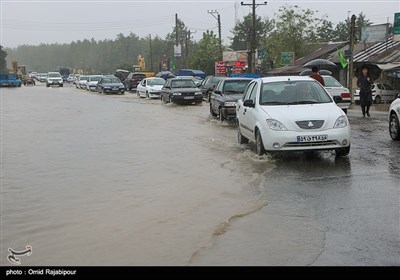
(394,127)
(342,151)
(260,150)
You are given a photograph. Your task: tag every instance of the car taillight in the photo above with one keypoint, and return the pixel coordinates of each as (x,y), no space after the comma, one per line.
(345,95)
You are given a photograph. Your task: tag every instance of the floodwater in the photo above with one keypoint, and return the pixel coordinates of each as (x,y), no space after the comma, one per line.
(89,179)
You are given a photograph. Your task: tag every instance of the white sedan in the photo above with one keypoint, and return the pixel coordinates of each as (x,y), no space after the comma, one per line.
(394,117)
(150,87)
(335,88)
(291,114)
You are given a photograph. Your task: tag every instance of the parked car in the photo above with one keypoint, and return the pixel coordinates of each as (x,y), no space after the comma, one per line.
(290,113)
(110,84)
(81,82)
(150,87)
(76,80)
(181,91)
(92,81)
(380,92)
(223,99)
(343,98)
(133,79)
(208,85)
(394,117)
(54,78)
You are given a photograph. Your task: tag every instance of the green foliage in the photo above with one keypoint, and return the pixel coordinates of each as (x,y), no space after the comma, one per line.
(342,30)
(3,64)
(207,53)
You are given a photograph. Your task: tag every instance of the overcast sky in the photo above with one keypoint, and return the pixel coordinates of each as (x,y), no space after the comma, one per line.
(53,21)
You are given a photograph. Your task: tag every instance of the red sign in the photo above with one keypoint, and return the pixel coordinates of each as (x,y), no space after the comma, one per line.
(240,64)
(220,68)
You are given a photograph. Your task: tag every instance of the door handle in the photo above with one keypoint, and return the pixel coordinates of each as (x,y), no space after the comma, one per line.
(244,111)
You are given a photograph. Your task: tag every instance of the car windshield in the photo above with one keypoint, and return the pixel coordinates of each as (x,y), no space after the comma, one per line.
(293,93)
(95,78)
(235,87)
(54,75)
(331,82)
(83,78)
(111,80)
(183,84)
(156,82)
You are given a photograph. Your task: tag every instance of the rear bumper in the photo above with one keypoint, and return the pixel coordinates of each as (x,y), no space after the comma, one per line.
(229,112)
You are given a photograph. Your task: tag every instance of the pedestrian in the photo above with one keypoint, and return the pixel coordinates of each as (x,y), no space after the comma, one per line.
(365,82)
(315,75)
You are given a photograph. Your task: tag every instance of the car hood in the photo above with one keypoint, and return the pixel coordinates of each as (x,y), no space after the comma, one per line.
(188,90)
(156,87)
(232,97)
(113,85)
(289,114)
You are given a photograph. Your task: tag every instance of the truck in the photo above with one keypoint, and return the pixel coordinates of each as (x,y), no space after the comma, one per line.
(9,80)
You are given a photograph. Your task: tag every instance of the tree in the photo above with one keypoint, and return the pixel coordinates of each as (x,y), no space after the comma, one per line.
(242,32)
(3,64)
(294,29)
(206,54)
(342,30)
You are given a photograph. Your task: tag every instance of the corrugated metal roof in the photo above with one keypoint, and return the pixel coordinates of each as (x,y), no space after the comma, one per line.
(371,53)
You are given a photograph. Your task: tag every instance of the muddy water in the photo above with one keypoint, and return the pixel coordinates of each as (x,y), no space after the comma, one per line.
(89,179)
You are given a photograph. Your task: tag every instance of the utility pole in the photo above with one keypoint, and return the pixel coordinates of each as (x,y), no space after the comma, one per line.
(218,18)
(352,42)
(177,64)
(187,41)
(151,55)
(253,43)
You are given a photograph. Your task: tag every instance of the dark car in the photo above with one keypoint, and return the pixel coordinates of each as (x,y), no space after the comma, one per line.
(180,90)
(223,99)
(110,84)
(133,79)
(208,85)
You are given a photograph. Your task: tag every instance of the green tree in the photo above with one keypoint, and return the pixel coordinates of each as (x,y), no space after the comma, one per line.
(342,30)
(206,54)
(242,32)
(3,63)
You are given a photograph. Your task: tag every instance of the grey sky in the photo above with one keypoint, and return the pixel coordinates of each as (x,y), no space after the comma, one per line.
(35,22)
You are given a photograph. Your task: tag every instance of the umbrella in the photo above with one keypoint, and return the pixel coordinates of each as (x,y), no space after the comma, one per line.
(373,70)
(308,72)
(319,62)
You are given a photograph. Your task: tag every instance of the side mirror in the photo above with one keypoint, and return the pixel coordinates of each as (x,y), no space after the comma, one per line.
(337,99)
(167,87)
(249,103)
(218,92)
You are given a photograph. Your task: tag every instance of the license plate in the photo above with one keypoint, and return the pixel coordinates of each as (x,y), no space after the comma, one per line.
(188,97)
(115,88)
(313,138)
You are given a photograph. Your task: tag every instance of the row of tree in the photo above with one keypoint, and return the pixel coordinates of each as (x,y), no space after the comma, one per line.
(291,29)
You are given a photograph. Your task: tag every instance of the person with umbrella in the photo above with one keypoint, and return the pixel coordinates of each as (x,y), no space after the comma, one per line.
(365,82)
(315,75)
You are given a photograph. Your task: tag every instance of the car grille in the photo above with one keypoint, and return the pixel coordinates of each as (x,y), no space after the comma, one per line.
(311,144)
(310,124)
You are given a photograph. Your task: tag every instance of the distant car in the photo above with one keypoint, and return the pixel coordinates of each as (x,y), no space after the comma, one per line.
(380,92)
(92,81)
(43,77)
(223,99)
(181,91)
(208,85)
(394,117)
(81,83)
(133,79)
(54,78)
(150,87)
(71,78)
(291,113)
(343,98)
(76,79)
(110,84)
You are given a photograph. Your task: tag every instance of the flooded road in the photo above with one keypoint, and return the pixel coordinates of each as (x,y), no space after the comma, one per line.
(89,179)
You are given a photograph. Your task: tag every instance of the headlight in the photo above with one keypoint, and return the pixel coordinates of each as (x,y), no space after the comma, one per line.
(176,93)
(275,125)
(230,104)
(198,93)
(340,122)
